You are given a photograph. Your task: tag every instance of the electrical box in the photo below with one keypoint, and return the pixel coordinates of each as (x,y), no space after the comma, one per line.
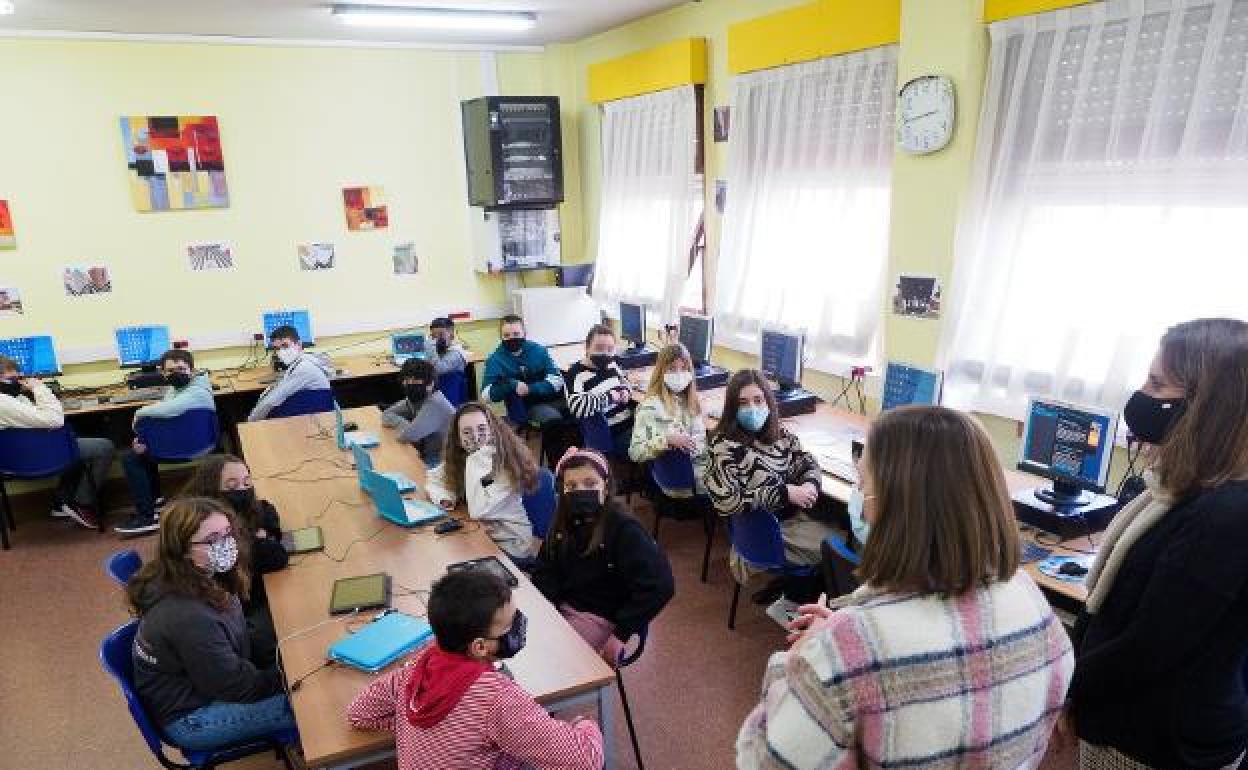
(507,240)
(513,151)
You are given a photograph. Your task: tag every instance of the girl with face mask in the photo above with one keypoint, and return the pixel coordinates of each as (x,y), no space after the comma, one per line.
(670,417)
(599,565)
(486,466)
(192,656)
(596,385)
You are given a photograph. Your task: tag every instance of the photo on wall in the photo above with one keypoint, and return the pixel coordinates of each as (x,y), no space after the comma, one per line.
(86,281)
(721,195)
(174,162)
(8,240)
(406,262)
(917,296)
(10,301)
(210,255)
(316,256)
(722,123)
(366,208)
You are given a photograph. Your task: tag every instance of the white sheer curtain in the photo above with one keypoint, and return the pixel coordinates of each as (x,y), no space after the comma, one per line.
(1110,199)
(805,236)
(651,199)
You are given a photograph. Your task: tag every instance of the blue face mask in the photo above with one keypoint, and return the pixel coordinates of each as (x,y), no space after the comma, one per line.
(857,502)
(753,418)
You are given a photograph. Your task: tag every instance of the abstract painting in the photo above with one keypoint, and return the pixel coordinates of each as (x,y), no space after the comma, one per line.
(316,256)
(213,255)
(406,261)
(175,162)
(7,239)
(84,281)
(366,208)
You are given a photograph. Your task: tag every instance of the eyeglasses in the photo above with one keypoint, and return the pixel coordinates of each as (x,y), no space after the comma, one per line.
(481,433)
(217,538)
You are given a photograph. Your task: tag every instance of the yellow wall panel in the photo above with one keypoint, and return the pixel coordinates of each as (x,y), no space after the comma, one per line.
(678,63)
(812,31)
(996,10)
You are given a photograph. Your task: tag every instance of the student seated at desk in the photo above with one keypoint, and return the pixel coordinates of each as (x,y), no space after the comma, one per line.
(25,402)
(755,463)
(297,371)
(423,417)
(192,658)
(670,417)
(948,656)
(487,465)
(225,478)
(599,565)
(449,709)
(597,385)
(522,368)
(186,392)
(443,349)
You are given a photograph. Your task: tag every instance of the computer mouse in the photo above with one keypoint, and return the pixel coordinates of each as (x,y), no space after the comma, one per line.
(450,525)
(1072,568)
(350,426)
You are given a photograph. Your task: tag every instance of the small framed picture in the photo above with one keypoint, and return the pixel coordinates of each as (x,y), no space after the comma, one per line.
(917,296)
(723,123)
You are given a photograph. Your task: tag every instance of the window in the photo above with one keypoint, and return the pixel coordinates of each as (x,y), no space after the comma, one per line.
(805,237)
(1109,199)
(651,198)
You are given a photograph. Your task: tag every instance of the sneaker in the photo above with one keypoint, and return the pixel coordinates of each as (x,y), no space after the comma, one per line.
(783,611)
(137,525)
(61,511)
(770,592)
(82,515)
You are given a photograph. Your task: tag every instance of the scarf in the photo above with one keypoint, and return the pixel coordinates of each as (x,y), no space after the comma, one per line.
(438,682)
(1124,531)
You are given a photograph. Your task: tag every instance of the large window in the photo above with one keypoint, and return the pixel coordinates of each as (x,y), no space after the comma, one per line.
(1110,199)
(805,236)
(651,198)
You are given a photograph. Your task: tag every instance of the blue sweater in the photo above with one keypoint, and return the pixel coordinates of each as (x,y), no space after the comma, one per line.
(532,365)
(179,401)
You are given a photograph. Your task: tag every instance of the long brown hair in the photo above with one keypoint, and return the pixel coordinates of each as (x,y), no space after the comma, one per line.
(1208,443)
(511,456)
(173,572)
(944,523)
(688,400)
(560,535)
(206,482)
(728,426)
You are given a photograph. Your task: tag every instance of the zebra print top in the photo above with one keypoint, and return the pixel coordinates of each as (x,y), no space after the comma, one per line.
(747,476)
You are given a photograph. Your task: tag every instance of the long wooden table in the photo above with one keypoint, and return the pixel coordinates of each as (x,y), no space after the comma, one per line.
(296,466)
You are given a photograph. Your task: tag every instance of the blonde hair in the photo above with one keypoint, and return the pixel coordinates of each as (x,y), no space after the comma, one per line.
(688,401)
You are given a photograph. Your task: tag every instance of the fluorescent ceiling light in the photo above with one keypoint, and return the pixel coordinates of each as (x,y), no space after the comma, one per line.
(433,18)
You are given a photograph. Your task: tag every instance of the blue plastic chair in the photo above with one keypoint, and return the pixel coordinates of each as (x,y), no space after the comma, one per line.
(674,470)
(122,565)
(839,563)
(454,385)
(115,657)
(540,506)
(517,411)
(757,539)
(625,659)
(305,402)
(34,453)
(596,435)
(180,439)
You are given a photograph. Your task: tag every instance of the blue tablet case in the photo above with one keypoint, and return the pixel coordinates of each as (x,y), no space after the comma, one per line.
(381,642)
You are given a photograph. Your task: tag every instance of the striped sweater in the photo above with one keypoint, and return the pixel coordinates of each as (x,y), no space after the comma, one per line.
(496,726)
(751,476)
(916,682)
(589,393)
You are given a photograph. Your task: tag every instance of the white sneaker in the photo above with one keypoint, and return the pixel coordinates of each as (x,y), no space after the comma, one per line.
(783,611)
(62,511)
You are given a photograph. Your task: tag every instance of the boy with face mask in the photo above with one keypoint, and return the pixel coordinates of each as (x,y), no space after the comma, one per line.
(450,710)
(442,349)
(424,414)
(297,371)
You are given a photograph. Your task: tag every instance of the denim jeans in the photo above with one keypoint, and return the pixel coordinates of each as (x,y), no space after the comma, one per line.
(223,724)
(143,478)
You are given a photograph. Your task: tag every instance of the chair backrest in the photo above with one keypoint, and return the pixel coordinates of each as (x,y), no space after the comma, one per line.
(540,506)
(756,538)
(673,469)
(839,563)
(116,657)
(627,658)
(122,565)
(192,434)
(596,434)
(305,402)
(32,453)
(517,412)
(454,385)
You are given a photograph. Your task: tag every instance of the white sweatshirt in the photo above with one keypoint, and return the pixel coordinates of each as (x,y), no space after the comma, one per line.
(20,412)
(497,504)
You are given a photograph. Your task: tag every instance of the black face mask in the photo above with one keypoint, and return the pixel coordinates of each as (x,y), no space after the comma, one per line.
(240,500)
(279,365)
(178,379)
(11,388)
(583,503)
(513,344)
(601,360)
(513,641)
(416,393)
(441,345)
(1149,418)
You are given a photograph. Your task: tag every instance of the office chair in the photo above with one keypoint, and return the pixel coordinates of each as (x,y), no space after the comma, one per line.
(305,402)
(627,659)
(122,565)
(454,386)
(540,505)
(34,453)
(839,563)
(674,470)
(757,539)
(596,435)
(180,439)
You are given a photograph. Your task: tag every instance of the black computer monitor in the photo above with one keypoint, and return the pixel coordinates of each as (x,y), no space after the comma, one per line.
(905,385)
(141,346)
(1072,445)
(633,324)
(575,275)
(697,333)
(780,355)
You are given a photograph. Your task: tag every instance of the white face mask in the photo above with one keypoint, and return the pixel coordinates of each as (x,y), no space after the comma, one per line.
(861,527)
(287,355)
(677,381)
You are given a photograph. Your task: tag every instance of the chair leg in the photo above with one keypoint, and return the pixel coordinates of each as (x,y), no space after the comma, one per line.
(8,509)
(732,611)
(95,495)
(5,516)
(710,538)
(628,717)
(658,518)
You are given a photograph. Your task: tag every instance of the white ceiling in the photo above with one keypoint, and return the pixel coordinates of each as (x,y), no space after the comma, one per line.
(557,20)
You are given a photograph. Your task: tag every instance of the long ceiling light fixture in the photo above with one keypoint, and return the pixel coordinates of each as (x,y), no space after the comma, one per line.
(433,18)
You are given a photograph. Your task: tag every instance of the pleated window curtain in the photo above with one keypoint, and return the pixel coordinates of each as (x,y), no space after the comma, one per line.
(1109,201)
(651,199)
(805,230)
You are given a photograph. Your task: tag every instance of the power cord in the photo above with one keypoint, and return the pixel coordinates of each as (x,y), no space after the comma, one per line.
(336,462)
(295,685)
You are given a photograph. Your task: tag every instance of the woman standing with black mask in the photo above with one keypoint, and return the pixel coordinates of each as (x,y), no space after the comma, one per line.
(1159,677)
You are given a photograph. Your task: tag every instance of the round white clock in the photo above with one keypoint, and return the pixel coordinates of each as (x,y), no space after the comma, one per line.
(925,113)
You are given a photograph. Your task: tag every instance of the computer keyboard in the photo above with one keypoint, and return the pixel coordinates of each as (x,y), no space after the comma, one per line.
(140,394)
(1033,552)
(838,466)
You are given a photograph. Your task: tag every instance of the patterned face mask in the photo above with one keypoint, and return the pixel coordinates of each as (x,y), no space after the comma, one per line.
(223,554)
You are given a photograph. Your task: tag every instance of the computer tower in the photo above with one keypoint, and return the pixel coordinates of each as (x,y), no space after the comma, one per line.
(513,151)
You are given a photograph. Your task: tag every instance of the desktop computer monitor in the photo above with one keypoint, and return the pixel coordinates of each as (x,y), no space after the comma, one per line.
(296,318)
(781,357)
(35,356)
(405,346)
(697,333)
(633,324)
(139,346)
(1072,445)
(905,385)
